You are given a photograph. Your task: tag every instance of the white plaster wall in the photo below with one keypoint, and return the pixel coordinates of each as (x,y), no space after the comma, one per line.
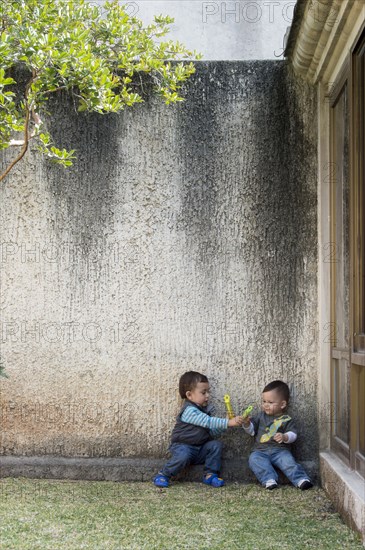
(232,30)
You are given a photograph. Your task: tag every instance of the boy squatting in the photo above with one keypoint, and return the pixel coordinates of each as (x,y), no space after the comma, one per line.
(274,432)
(192,437)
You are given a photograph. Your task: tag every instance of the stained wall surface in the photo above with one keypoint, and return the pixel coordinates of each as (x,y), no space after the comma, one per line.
(184,237)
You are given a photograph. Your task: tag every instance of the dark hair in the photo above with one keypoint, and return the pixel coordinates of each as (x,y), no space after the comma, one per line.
(189,382)
(280,387)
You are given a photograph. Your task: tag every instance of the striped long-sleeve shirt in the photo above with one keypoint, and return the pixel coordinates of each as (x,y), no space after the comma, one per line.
(215,425)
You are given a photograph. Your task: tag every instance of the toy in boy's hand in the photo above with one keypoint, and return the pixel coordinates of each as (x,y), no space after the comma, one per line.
(247,411)
(227,401)
(271,431)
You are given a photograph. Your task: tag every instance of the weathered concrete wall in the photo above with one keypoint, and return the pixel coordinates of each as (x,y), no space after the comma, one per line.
(184,237)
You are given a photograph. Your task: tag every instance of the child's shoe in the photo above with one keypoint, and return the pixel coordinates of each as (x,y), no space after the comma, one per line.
(160,480)
(271,484)
(305,484)
(213,480)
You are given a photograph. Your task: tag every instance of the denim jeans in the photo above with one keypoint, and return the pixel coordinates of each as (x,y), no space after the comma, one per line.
(183,455)
(262,464)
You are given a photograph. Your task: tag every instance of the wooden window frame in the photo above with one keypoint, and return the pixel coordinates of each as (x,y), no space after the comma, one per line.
(352,75)
(337,353)
(357,288)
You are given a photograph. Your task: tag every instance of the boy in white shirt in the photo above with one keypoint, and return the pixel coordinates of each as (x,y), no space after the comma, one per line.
(274,432)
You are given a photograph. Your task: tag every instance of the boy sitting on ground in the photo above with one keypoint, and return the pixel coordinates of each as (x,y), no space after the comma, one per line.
(192,437)
(274,432)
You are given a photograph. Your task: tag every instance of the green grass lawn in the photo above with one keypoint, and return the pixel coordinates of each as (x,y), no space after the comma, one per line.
(44,514)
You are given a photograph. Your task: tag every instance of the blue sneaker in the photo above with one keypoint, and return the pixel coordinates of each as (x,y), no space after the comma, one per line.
(213,480)
(160,480)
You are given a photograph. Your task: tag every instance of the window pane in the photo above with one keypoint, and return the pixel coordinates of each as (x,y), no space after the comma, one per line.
(341,218)
(359,230)
(341,398)
(362,411)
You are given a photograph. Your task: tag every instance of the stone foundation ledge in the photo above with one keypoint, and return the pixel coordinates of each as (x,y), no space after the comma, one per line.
(346,489)
(119,469)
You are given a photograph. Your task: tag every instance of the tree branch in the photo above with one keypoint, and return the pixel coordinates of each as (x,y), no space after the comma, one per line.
(26,131)
(24,147)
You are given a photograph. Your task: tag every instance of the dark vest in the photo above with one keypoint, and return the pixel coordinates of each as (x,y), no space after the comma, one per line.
(189,433)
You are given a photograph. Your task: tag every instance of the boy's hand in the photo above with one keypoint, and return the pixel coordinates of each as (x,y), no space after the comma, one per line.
(236,421)
(280,438)
(246,422)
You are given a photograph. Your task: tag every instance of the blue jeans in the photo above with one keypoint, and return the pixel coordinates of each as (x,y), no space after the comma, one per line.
(262,464)
(183,455)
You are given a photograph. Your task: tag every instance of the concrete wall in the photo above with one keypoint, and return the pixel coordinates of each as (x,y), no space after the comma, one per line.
(184,237)
(233,30)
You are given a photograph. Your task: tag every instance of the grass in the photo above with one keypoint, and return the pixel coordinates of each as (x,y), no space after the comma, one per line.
(44,514)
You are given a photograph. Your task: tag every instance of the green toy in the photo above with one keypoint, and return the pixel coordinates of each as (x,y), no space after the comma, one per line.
(247,411)
(271,431)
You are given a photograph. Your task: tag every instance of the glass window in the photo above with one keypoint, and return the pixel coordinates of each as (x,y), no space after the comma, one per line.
(340,271)
(340,231)
(341,393)
(361,398)
(357,404)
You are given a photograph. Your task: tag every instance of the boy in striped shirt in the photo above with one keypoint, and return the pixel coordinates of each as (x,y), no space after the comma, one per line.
(192,437)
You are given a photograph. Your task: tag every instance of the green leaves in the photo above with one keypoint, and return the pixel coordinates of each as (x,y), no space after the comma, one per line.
(5,96)
(62,157)
(3,372)
(10,119)
(94,53)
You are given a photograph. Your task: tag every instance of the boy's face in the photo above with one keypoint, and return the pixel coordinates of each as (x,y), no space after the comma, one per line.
(200,394)
(272,403)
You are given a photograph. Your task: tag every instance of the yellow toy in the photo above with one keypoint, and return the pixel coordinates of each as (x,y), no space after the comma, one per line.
(230,412)
(271,431)
(227,401)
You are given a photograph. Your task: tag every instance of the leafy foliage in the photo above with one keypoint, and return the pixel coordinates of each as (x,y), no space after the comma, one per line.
(98,55)
(2,371)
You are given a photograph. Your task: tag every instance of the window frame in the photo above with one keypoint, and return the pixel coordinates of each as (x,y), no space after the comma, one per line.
(357,319)
(337,353)
(352,76)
